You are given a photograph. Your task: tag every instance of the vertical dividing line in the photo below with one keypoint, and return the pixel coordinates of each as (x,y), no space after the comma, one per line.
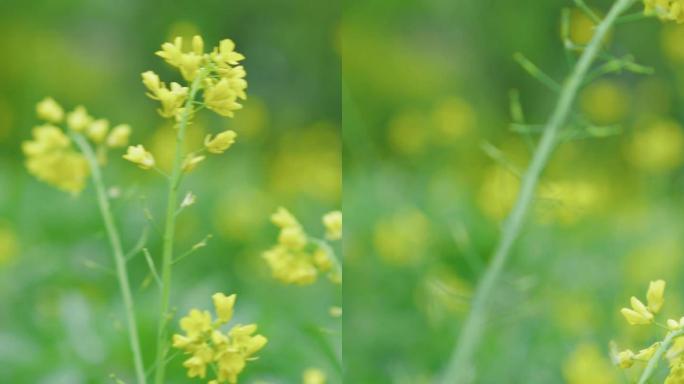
(458,368)
(119,259)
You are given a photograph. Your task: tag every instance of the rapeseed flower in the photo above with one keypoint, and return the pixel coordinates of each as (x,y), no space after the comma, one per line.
(207,345)
(297,258)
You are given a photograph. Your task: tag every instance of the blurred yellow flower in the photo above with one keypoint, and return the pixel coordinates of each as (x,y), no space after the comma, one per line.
(313,376)
(657,146)
(51,158)
(407,133)
(568,201)
(402,238)
(498,192)
(654,295)
(333,225)
(452,118)
(221,97)
(171,99)
(666,10)
(625,359)
(587,364)
(138,155)
(78,119)
(221,142)
(223,305)
(671,42)
(295,259)
(443,295)
(638,314)
(49,110)
(191,161)
(308,162)
(188,62)
(581,27)
(97,130)
(119,135)
(605,102)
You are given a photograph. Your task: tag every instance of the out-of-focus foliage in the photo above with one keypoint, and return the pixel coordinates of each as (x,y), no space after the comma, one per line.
(426,86)
(60,312)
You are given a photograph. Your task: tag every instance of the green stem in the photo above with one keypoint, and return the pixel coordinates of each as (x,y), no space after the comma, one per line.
(457,370)
(119,258)
(653,362)
(170,227)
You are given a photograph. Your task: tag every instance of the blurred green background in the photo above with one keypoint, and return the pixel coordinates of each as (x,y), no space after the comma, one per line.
(425,83)
(61,319)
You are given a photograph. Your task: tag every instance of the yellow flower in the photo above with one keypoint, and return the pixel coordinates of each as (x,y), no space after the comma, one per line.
(196,323)
(188,62)
(225,53)
(152,82)
(292,238)
(97,130)
(333,225)
(283,218)
(666,10)
(138,155)
(654,296)
(296,259)
(222,97)
(646,353)
(221,142)
(51,158)
(119,135)
(171,99)
(313,376)
(322,260)
(291,267)
(196,367)
(78,120)
(224,306)
(625,359)
(657,146)
(639,314)
(207,344)
(50,111)
(191,161)
(588,365)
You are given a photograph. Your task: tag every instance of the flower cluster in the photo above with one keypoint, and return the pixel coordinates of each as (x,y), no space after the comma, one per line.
(644,314)
(666,10)
(220,78)
(226,352)
(297,258)
(51,156)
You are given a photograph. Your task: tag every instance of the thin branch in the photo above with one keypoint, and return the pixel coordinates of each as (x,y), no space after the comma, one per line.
(142,240)
(153,269)
(588,11)
(201,244)
(535,72)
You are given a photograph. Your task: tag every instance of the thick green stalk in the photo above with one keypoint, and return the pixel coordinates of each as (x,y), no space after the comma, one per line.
(170,228)
(662,348)
(457,370)
(119,258)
